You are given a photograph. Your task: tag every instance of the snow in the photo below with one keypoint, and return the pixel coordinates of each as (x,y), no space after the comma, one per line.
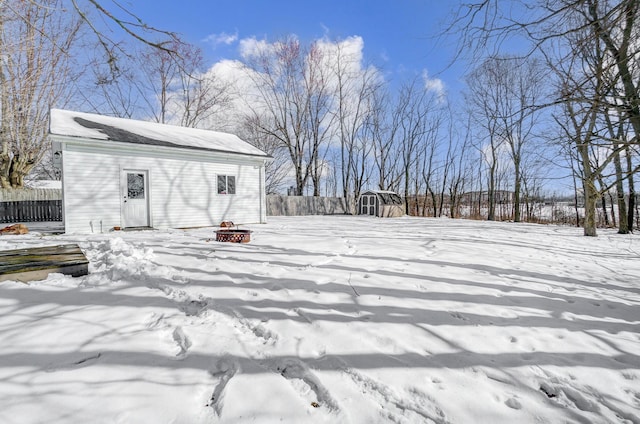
(63,123)
(329,320)
(45,184)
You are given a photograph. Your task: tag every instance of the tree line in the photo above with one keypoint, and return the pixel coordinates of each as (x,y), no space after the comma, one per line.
(564,104)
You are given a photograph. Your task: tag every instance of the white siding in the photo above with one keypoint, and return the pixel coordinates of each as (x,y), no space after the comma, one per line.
(183,192)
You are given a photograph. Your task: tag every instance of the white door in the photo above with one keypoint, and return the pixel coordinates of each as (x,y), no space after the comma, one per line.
(373,200)
(135,198)
(368,205)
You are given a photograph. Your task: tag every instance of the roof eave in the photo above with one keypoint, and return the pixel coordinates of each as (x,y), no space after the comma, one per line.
(134,147)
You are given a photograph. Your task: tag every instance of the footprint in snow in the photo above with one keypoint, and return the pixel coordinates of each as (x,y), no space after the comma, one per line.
(303,380)
(395,406)
(267,336)
(513,403)
(566,395)
(351,248)
(580,401)
(183,342)
(459,316)
(222,371)
(155,321)
(192,307)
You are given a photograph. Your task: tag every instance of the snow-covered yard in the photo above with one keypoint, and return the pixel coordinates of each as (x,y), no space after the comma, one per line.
(329,320)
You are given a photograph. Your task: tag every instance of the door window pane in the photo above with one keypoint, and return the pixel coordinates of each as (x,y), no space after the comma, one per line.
(135,186)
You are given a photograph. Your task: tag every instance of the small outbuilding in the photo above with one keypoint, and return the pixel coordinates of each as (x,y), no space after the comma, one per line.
(120,173)
(380,203)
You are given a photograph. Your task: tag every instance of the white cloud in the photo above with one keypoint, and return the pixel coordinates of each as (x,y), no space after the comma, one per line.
(350,50)
(252,47)
(434,85)
(222,38)
(242,79)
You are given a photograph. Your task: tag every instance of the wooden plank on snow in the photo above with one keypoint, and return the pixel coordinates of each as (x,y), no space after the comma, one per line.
(36,263)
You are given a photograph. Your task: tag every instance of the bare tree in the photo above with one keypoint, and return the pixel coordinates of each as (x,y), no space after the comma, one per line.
(591,79)
(631,185)
(171,89)
(355,102)
(617,133)
(579,123)
(115,15)
(290,94)
(276,169)
(319,121)
(511,88)
(35,41)
(179,91)
(484,100)
(412,118)
(562,30)
(383,129)
(435,169)
(460,166)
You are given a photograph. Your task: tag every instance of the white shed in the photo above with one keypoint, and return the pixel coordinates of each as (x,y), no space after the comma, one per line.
(124,173)
(380,203)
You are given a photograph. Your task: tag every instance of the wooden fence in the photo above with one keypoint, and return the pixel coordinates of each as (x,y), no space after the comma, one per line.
(20,194)
(36,205)
(305,205)
(30,211)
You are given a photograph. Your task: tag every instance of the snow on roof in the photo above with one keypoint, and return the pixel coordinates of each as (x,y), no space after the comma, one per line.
(388,197)
(379,191)
(45,184)
(108,128)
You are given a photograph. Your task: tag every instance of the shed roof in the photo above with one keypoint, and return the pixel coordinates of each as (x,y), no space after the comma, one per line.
(379,191)
(386,196)
(111,129)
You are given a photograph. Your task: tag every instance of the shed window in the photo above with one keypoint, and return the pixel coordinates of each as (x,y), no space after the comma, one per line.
(226,184)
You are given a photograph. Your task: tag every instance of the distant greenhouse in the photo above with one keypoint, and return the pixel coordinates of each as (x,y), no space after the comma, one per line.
(380,203)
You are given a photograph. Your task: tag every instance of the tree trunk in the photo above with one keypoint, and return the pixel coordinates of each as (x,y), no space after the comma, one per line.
(20,168)
(632,192)
(590,193)
(590,200)
(491,194)
(613,210)
(516,192)
(5,161)
(605,214)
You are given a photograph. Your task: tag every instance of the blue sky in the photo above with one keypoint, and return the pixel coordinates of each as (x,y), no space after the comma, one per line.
(398,34)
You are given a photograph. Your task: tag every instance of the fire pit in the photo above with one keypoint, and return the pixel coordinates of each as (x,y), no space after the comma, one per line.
(233,235)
